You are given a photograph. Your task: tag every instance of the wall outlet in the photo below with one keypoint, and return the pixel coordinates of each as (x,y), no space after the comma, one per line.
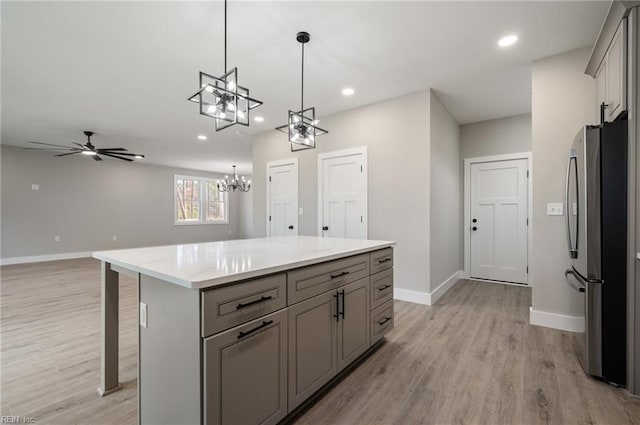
(555,208)
(300,211)
(143,315)
(56,238)
(115,239)
(35,187)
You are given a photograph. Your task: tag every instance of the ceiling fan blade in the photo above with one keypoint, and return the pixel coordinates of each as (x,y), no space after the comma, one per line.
(116,156)
(105,151)
(69,153)
(51,144)
(96,158)
(82,146)
(51,149)
(112,149)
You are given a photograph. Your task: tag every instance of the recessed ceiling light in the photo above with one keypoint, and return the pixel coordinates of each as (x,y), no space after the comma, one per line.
(348,91)
(508,40)
(202,137)
(258,119)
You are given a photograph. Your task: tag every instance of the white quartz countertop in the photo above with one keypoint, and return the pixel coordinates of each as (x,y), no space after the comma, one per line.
(203,265)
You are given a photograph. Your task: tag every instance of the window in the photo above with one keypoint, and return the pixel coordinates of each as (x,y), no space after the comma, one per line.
(198,201)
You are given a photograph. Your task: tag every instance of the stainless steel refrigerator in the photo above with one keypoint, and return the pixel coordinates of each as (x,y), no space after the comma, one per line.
(596,227)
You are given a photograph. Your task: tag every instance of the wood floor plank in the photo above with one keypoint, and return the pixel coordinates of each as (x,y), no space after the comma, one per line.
(472,358)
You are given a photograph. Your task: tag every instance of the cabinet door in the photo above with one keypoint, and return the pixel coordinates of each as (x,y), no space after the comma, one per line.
(601,88)
(313,334)
(245,373)
(616,90)
(353,329)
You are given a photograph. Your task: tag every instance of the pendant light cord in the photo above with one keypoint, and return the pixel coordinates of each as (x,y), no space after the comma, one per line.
(302,91)
(225,36)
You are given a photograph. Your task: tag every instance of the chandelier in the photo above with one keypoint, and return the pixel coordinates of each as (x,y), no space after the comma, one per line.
(302,126)
(222,98)
(235,184)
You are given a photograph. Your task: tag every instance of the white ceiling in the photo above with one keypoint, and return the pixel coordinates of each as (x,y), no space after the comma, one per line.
(125,69)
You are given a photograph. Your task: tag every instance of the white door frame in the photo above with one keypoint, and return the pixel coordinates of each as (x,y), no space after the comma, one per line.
(278,163)
(467,207)
(337,154)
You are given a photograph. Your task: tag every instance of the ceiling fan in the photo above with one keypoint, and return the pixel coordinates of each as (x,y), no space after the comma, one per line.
(90,150)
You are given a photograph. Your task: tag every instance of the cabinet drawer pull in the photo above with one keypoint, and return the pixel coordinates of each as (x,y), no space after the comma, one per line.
(382,322)
(257,328)
(384,260)
(259,300)
(333,276)
(382,288)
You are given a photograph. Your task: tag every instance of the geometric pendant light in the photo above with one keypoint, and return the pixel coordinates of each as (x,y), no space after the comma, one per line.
(222,98)
(302,126)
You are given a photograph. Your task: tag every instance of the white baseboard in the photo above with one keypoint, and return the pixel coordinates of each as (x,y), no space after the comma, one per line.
(41,258)
(556,321)
(417,297)
(426,298)
(437,293)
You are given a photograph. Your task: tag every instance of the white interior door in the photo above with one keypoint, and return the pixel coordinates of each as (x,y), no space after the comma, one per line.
(342,192)
(282,198)
(499,208)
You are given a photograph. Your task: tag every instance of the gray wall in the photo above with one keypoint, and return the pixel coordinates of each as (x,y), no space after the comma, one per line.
(445,200)
(245,212)
(395,132)
(563,101)
(496,137)
(87,203)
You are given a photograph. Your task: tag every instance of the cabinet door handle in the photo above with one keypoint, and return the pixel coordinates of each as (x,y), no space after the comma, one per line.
(384,260)
(337,315)
(264,324)
(342,312)
(382,322)
(382,288)
(260,300)
(333,276)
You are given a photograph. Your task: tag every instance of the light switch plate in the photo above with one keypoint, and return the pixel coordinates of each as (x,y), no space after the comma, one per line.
(555,208)
(143,315)
(35,187)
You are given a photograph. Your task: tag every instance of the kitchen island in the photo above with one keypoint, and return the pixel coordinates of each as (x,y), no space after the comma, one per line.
(244,331)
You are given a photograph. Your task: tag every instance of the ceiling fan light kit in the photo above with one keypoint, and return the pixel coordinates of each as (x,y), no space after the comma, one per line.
(89,149)
(222,98)
(236,183)
(301,125)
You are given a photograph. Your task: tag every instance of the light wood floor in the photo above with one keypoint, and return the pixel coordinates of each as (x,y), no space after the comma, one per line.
(470,359)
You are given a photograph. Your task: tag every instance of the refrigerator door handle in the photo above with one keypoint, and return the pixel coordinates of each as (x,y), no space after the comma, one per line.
(580,287)
(573,252)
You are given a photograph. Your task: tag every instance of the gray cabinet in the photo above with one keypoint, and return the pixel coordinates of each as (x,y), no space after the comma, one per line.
(326,333)
(353,327)
(611,78)
(313,336)
(245,371)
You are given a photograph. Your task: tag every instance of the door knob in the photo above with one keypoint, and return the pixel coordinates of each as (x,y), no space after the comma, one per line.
(475,220)
(325,227)
(290,227)
(474,228)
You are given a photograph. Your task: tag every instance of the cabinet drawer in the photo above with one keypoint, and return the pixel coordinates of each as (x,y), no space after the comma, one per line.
(230,306)
(381,288)
(381,321)
(310,281)
(381,260)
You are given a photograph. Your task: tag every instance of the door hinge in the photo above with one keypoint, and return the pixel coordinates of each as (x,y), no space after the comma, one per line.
(269,218)
(527,173)
(361,168)
(360,219)
(269,178)
(527,269)
(527,222)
